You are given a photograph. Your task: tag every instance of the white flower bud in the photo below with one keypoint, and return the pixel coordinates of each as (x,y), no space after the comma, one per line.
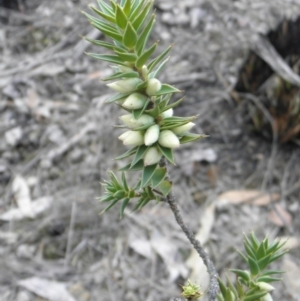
(154,85)
(125,85)
(152,156)
(267,297)
(132,123)
(152,134)
(168,139)
(183,128)
(135,101)
(168,113)
(125,69)
(145,72)
(265,286)
(134,138)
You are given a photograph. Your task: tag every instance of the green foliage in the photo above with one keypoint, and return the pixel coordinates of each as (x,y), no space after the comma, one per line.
(254,284)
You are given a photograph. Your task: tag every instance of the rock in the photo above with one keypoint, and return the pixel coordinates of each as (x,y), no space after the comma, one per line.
(26,251)
(24,296)
(14,136)
(76,155)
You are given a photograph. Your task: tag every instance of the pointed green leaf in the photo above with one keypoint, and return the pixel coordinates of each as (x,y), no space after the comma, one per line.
(272,272)
(249,250)
(130,36)
(108,58)
(137,8)
(122,2)
(139,154)
(255,297)
(147,174)
(107,17)
(220,298)
(121,18)
(222,287)
(278,255)
(116,97)
(267,279)
(168,153)
(124,182)
(122,75)
(254,240)
(159,69)
(166,89)
(158,176)
(105,8)
(138,22)
(114,180)
(173,105)
(243,274)
(190,137)
(109,206)
(110,33)
(263,262)
(143,58)
(232,288)
(229,296)
(165,187)
(254,268)
(100,43)
(113,4)
(144,36)
(142,86)
(106,198)
(138,166)
(129,57)
(243,256)
(123,206)
(137,113)
(156,61)
(120,194)
(127,7)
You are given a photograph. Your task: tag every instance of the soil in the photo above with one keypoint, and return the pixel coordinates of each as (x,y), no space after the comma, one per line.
(58,141)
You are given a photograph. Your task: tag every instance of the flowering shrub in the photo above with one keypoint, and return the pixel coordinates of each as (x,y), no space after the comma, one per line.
(152,132)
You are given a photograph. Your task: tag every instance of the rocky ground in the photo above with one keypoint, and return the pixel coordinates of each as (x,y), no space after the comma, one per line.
(57,141)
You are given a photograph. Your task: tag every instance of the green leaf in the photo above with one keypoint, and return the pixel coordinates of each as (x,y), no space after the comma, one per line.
(272,272)
(166,89)
(268,279)
(130,36)
(243,274)
(165,187)
(147,174)
(138,166)
(142,86)
(144,36)
(129,57)
(143,58)
(229,296)
(243,256)
(139,154)
(123,206)
(120,194)
(159,69)
(138,22)
(122,75)
(101,25)
(261,252)
(255,297)
(109,206)
(232,288)
(107,17)
(137,113)
(156,61)
(222,287)
(278,255)
(106,198)
(116,97)
(101,43)
(254,240)
(127,7)
(158,176)
(263,262)
(190,137)
(114,180)
(168,153)
(105,8)
(137,8)
(127,154)
(249,250)
(172,105)
(124,182)
(220,298)
(254,268)
(108,58)
(121,18)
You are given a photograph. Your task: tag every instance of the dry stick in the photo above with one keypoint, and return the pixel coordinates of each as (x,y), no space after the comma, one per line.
(213,283)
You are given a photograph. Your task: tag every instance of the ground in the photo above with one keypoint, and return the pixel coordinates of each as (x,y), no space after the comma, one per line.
(57,141)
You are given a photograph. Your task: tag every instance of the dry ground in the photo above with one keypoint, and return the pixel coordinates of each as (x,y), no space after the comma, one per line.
(57,142)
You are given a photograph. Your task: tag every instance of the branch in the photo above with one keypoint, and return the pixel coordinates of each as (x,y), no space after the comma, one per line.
(213,283)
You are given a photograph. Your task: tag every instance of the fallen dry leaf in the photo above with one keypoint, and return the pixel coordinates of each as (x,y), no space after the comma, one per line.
(254,197)
(198,272)
(21,192)
(50,290)
(291,277)
(280,217)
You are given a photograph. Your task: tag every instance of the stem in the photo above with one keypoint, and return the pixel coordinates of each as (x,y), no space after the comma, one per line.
(213,283)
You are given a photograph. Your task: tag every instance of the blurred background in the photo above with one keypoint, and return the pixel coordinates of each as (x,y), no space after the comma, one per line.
(238,63)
